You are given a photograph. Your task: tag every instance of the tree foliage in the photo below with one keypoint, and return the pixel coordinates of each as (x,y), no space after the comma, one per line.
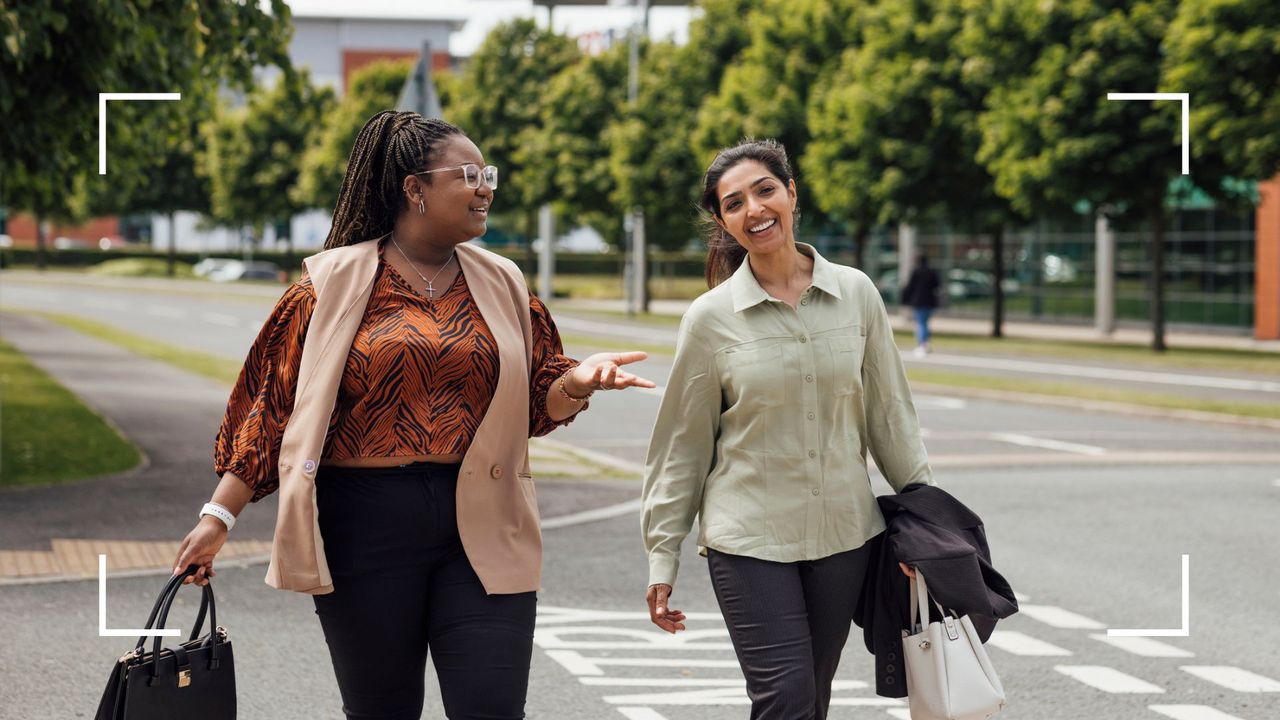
(254,152)
(506,81)
(373,88)
(113,46)
(1226,55)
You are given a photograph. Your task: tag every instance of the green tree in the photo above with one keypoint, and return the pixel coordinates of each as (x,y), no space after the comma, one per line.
(373,88)
(254,153)
(1050,136)
(568,156)
(499,104)
(1226,55)
(111,46)
(653,157)
(794,45)
(894,131)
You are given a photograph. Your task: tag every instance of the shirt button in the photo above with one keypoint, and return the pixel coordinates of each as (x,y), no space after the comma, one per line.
(888,680)
(816,491)
(812,416)
(495,472)
(808,378)
(813,454)
(893,656)
(805,301)
(889,668)
(804,339)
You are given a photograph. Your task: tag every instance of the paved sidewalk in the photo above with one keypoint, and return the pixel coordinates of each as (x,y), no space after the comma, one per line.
(1131,335)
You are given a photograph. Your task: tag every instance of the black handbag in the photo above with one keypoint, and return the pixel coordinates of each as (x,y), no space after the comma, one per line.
(194,681)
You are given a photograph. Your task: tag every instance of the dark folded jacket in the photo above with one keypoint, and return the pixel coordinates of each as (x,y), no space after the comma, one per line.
(927,528)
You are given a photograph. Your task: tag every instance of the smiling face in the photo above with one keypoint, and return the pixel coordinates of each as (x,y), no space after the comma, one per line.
(454,212)
(756,207)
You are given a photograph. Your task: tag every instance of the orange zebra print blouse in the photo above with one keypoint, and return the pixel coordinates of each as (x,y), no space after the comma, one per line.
(419,377)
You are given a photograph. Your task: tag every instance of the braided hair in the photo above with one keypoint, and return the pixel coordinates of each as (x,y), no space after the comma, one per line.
(390,146)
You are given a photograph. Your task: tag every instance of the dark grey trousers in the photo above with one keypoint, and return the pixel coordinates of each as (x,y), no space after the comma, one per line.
(788,623)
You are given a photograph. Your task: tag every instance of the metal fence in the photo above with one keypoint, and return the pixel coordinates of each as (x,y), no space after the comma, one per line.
(1049,272)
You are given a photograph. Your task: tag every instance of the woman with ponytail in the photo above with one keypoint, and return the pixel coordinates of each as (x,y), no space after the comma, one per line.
(785,374)
(389,398)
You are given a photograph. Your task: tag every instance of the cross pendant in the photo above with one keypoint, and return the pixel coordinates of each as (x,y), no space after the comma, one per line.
(430,289)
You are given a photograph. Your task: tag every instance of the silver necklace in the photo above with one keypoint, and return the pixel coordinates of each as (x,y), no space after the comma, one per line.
(431,290)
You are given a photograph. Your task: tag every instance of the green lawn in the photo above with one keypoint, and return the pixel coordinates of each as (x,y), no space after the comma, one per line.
(48,435)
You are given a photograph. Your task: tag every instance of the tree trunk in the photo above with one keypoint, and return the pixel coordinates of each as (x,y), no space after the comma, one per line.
(997,286)
(860,235)
(530,232)
(172,269)
(42,242)
(1157,280)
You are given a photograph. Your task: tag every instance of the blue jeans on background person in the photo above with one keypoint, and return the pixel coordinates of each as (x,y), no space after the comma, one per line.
(922,325)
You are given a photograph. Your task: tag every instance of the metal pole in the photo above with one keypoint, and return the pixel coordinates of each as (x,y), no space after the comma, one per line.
(906,259)
(546,254)
(1104,282)
(641,273)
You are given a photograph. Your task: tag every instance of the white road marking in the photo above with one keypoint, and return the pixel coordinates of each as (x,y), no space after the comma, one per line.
(105,304)
(1088,371)
(900,713)
(580,664)
(220,319)
(1107,679)
(1021,597)
(943,403)
(556,638)
(629,507)
(1059,618)
(1233,678)
(663,682)
(1146,647)
(551,614)
(1029,441)
(1019,644)
(736,696)
(1191,712)
(162,311)
(641,713)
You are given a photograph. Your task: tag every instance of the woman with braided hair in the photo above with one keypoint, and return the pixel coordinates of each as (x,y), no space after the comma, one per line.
(389,398)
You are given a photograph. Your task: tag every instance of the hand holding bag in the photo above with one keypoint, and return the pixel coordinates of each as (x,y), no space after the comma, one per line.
(949,676)
(193,681)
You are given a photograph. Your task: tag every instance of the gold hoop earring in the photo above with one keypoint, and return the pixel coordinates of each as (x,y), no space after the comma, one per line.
(422,207)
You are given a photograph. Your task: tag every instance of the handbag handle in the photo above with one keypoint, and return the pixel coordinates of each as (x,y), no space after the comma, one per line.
(160,615)
(920,601)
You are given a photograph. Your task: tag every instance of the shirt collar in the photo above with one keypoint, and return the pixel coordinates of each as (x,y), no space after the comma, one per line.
(746,290)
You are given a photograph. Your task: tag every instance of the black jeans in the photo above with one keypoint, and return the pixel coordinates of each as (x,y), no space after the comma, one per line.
(788,623)
(402,585)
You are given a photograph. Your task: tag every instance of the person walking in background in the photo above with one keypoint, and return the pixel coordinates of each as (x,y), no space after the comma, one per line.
(921,295)
(785,375)
(390,397)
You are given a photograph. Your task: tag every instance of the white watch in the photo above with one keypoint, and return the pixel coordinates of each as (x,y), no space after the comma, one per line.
(219,512)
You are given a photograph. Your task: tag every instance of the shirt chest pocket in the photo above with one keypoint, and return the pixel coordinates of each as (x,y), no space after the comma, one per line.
(754,376)
(846,352)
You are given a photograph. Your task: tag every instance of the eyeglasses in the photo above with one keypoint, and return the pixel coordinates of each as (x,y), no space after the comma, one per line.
(472,174)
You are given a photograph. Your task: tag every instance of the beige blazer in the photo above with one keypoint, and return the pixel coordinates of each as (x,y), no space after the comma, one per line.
(497,508)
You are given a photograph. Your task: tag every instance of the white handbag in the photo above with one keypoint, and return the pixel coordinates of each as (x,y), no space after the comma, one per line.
(949,676)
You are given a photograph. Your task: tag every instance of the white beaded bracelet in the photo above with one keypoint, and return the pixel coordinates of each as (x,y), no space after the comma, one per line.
(219,512)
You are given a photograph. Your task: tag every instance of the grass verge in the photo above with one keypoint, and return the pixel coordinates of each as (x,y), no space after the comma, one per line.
(1091,393)
(211,366)
(47,435)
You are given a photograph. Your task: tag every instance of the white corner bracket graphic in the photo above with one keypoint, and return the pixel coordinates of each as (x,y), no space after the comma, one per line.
(103,630)
(1185,630)
(1186,118)
(102,118)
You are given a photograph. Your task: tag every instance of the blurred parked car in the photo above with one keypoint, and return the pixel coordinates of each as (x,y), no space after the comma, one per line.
(234,270)
(209,265)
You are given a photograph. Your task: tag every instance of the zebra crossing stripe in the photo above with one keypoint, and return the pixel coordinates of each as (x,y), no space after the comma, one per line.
(1233,678)
(1192,712)
(901,713)
(1145,647)
(1019,644)
(1107,679)
(1059,618)
(641,713)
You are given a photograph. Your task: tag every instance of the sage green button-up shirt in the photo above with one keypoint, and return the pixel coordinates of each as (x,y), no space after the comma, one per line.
(767,418)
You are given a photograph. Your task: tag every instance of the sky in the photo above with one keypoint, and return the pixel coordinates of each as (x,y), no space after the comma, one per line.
(482,15)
